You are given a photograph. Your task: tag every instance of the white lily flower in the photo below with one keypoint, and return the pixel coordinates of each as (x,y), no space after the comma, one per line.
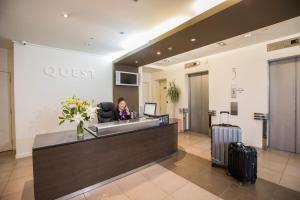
(78,118)
(91,112)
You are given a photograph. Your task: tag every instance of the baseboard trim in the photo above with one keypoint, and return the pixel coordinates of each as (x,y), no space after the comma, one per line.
(23,155)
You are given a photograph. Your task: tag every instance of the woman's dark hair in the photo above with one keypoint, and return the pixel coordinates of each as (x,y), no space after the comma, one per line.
(120,99)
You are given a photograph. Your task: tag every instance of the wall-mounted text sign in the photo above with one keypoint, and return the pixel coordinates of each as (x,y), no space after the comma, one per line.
(69,72)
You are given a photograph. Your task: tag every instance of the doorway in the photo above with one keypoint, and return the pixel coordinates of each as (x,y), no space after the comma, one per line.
(146,92)
(5,114)
(199,102)
(163,96)
(284,104)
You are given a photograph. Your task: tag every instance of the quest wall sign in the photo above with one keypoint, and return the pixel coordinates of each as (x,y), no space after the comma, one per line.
(68,72)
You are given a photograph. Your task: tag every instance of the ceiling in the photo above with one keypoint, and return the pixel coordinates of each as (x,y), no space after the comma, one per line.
(94,26)
(211,27)
(282,29)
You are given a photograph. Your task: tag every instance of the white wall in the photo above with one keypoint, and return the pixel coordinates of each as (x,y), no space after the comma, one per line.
(43,77)
(144,78)
(251,64)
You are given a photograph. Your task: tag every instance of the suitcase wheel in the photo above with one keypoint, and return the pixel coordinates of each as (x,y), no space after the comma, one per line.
(213,164)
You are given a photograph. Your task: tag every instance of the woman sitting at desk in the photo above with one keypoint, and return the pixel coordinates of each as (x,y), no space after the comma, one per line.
(122,110)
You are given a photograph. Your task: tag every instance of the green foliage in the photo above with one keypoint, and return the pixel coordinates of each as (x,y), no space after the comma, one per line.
(173,92)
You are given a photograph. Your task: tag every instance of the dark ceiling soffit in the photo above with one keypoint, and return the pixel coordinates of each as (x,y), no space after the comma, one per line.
(181,27)
(220,23)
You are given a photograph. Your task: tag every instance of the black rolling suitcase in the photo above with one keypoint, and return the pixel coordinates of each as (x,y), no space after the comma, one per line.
(242,162)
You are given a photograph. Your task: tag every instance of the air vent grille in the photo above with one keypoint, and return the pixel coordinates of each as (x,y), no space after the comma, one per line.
(283,44)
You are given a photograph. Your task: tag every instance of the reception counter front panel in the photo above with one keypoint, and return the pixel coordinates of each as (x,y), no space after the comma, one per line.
(63,164)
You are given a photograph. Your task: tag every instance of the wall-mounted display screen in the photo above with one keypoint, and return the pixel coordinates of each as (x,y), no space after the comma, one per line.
(127,78)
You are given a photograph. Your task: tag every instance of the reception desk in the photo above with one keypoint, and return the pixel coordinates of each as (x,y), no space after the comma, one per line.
(63,164)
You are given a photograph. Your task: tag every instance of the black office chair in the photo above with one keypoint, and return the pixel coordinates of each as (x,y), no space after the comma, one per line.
(106,112)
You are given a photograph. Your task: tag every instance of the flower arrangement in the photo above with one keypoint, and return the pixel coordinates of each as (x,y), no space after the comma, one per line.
(77,110)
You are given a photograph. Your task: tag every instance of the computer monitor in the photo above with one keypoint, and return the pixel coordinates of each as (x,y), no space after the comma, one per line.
(149,109)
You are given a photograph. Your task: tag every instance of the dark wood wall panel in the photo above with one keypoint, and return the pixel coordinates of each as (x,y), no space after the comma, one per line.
(131,94)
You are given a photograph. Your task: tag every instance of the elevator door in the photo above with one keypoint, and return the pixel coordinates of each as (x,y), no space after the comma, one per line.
(198,102)
(283,105)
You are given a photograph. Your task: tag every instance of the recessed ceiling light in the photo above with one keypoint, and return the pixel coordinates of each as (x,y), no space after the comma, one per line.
(221,43)
(136,61)
(193,39)
(170,48)
(247,35)
(158,53)
(65,15)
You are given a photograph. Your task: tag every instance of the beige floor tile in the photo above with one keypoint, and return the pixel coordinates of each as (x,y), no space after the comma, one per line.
(153,171)
(7,157)
(169,198)
(4,175)
(274,155)
(294,160)
(202,145)
(273,165)
(292,171)
(269,175)
(110,191)
(16,185)
(166,180)
(2,186)
(291,182)
(24,162)
(4,167)
(21,172)
(79,197)
(137,187)
(13,196)
(193,192)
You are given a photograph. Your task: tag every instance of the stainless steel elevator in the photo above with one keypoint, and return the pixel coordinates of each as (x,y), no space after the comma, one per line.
(284,104)
(199,102)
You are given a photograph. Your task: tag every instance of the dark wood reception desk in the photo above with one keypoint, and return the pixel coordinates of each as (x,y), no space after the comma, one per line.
(63,164)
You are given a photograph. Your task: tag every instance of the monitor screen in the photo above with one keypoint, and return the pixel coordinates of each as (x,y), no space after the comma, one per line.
(150,109)
(127,78)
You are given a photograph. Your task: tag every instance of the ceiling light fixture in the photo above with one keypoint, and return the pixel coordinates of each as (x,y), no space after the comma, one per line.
(193,40)
(136,61)
(221,43)
(65,15)
(158,53)
(247,35)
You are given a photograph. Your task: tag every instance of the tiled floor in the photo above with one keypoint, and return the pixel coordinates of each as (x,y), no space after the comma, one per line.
(278,167)
(186,175)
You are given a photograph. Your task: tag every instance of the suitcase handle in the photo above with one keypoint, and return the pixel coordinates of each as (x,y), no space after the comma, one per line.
(224,112)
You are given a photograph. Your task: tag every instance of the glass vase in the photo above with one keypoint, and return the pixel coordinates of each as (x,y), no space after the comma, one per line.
(80,130)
